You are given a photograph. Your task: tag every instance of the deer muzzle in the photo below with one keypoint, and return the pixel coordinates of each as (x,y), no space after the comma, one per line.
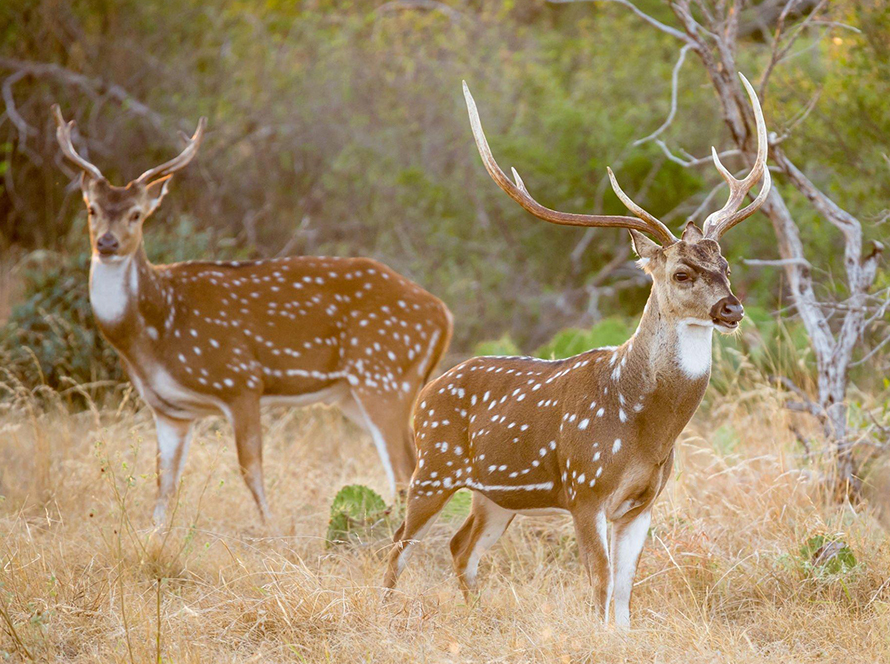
(727,312)
(107,245)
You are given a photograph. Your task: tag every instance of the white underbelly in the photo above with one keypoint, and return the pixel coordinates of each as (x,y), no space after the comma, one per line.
(162,392)
(329,395)
(543,511)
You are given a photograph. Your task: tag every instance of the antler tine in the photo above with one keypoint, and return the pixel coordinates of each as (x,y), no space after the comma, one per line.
(729,215)
(63,135)
(636,209)
(181,160)
(519,193)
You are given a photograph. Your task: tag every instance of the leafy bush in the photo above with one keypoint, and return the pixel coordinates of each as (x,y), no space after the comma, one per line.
(503,346)
(824,555)
(612,331)
(357,514)
(51,338)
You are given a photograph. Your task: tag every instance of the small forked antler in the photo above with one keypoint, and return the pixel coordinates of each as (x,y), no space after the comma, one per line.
(181,160)
(63,135)
(729,215)
(517,191)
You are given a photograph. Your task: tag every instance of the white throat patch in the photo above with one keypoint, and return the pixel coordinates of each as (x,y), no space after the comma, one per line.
(694,347)
(111,286)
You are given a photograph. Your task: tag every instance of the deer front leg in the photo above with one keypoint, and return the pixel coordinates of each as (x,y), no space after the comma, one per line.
(174,437)
(245,417)
(628,537)
(593,546)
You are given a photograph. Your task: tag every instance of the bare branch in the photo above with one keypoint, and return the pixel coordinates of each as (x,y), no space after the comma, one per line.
(806,404)
(23,127)
(778,54)
(690,160)
(705,203)
(779,262)
(441,7)
(837,24)
(670,118)
(830,210)
(89,85)
(798,118)
(872,352)
(673,32)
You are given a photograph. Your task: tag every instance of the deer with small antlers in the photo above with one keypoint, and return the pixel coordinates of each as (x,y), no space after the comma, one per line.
(202,338)
(592,435)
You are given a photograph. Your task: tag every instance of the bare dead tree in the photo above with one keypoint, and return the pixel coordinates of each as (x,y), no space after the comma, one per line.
(835,328)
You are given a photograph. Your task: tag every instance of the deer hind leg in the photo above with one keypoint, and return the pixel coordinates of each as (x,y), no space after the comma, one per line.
(174,437)
(484,526)
(628,537)
(591,531)
(424,507)
(245,417)
(387,421)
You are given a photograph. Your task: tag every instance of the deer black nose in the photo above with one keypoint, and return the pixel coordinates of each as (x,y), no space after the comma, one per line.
(728,310)
(107,244)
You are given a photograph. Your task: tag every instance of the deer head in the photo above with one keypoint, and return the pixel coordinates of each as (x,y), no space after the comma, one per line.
(690,276)
(116,214)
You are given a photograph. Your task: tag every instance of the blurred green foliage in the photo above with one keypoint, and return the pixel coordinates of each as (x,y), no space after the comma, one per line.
(458,508)
(505,346)
(339,128)
(612,331)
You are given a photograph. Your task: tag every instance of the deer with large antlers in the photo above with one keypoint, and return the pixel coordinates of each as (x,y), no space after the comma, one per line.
(200,338)
(592,435)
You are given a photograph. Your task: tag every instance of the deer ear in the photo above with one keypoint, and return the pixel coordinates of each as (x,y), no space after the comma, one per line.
(692,233)
(156,192)
(646,249)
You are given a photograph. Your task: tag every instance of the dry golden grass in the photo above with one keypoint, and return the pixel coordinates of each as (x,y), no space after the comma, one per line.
(721,579)
(9,286)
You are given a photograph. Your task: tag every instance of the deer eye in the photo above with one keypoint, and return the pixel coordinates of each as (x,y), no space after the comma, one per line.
(682,276)
(134,217)
(91,211)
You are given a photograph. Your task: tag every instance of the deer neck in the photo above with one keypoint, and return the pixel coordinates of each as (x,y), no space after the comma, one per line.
(125,297)
(671,350)
(660,374)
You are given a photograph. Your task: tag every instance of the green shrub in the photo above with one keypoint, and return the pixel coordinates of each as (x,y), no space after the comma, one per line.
(503,346)
(357,513)
(823,555)
(612,331)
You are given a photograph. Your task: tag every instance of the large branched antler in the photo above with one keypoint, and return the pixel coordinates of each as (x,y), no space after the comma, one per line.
(729,215)
(181,160)
(517,191)
(63,135)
